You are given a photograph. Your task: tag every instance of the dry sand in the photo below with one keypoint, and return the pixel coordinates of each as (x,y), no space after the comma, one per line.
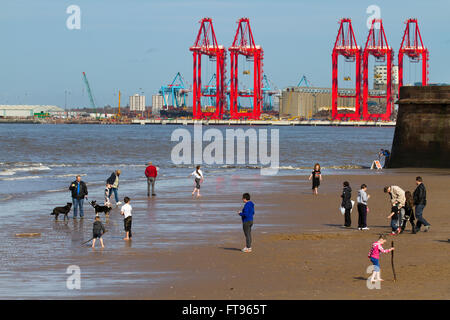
(309,255)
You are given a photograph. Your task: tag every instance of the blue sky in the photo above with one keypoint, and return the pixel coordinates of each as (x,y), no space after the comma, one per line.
(136,45)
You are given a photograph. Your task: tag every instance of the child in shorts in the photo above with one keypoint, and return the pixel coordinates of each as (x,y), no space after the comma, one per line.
(374,256)
(98,230)
(126,212)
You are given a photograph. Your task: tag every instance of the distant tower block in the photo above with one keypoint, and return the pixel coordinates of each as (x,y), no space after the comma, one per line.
(347,47)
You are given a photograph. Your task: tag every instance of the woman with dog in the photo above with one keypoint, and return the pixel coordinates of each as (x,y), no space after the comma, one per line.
(113,181)
(79,192)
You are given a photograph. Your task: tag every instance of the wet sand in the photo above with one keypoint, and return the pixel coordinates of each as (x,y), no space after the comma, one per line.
(300,250)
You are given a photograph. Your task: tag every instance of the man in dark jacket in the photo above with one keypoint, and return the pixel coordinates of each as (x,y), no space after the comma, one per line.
(347,203)
(79,192)
(420,201)
(113,180)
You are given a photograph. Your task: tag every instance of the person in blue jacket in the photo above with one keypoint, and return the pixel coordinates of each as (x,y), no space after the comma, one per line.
(247,221)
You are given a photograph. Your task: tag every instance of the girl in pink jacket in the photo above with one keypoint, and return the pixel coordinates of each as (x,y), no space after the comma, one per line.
(374,256)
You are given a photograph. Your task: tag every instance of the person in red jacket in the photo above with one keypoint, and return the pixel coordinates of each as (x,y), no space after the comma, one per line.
(151,173)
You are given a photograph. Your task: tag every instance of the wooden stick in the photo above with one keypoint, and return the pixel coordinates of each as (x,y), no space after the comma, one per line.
(392,261)
(31,234)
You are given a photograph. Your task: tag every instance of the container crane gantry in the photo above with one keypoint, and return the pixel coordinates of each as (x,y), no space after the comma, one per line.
(347,47)
(244,44)
(206,44)
(174,94)
(378,47)
(413,47)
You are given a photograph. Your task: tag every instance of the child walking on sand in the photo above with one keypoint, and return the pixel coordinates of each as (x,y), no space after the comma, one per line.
(395,220)
(126,212)
(198,178)
(374,256)
(316,177)
(98,230)
(247,221)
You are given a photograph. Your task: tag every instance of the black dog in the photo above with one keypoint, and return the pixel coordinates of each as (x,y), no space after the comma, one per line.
(62,210)
(98,208)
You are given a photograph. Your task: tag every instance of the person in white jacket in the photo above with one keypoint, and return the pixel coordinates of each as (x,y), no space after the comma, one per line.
(198,178)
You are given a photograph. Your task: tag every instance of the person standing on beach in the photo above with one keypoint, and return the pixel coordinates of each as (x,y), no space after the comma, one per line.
(420,201)
(316,177)
(362,199)
(79,192)
(198,178)
(127,219)
(113,180)
(374,256)
(151,173)
(347,203)
(247,221)
(409,212)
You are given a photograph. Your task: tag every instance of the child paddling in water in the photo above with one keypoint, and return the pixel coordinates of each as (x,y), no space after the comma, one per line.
(374,256)
(316,177)
(98,230)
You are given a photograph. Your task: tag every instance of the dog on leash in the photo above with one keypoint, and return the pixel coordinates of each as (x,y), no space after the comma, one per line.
(62,210)
(98,208)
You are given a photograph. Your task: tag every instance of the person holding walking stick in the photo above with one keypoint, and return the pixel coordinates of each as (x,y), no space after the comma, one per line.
(374,256)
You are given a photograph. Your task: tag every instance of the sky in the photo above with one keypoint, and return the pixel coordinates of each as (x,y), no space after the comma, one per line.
(136,46)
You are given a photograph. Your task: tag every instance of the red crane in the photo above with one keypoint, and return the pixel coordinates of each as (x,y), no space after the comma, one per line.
(244,44)
(206,44)
(413,47)
(378,47)
(347,47)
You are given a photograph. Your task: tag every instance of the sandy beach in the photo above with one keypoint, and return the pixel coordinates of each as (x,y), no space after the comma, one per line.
(300,249)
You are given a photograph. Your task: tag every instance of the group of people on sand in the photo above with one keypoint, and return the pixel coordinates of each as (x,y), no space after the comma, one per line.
(402,210)
(79,192)
(402,204)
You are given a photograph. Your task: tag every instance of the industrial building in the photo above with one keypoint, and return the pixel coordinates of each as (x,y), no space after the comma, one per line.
(305,102)
(137,103)
(25,111)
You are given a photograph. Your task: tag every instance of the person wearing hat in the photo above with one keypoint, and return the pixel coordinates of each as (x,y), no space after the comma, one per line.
(113,180)
(151,173)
